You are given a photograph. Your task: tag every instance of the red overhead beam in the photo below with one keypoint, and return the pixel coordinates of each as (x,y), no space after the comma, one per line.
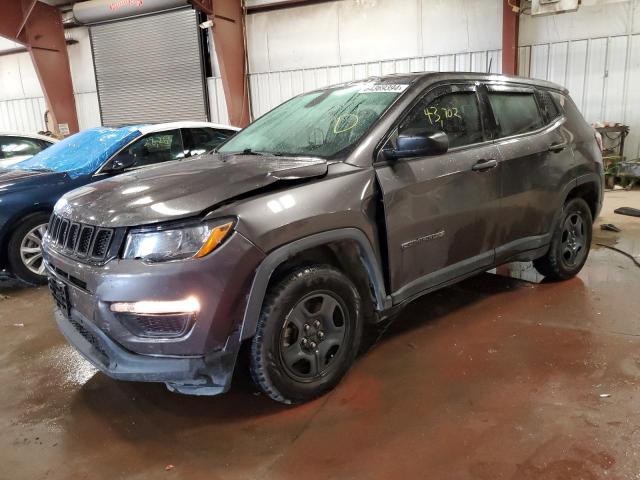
(39,27)
(510,26)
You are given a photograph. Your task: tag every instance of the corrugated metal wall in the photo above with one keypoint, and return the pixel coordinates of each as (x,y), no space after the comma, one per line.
(272,88)
(27,114)
(217,101)
(602,75)
(23,115)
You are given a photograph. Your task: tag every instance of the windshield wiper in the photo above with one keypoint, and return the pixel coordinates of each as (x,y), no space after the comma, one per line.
(248,151)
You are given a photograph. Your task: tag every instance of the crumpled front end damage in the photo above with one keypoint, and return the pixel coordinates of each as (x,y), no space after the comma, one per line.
(200,360)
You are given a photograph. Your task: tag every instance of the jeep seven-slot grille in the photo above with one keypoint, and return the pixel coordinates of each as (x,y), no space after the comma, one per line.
(79,240)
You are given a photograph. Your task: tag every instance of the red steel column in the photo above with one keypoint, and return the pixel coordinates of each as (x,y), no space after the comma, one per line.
(228,37)
(39,27)
(510,24)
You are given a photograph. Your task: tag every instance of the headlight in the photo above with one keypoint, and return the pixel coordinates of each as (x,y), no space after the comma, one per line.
(191,241)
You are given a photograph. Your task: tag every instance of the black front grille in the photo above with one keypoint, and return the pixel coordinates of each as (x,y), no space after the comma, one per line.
(86,235)
(72,237)
(101,244)
(79,240)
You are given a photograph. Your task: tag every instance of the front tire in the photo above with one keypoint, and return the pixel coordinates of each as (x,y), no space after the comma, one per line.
(24,251)
(308,334)
(570,243)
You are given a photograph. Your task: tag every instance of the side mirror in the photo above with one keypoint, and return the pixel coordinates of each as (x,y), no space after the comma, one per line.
(123,161)
(416,142)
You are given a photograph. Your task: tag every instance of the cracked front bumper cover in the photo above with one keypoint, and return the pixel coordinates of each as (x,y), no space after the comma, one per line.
(210,375)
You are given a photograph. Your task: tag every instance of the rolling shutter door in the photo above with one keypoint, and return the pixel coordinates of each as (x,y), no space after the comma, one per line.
(148,69)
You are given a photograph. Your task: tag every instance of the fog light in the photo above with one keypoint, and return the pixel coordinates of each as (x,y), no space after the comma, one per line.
(171,325)
(189,305)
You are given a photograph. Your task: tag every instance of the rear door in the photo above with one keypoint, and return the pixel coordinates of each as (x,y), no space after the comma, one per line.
(441,211)
(535,160)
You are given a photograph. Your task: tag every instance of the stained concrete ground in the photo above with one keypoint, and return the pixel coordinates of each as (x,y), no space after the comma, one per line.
(493,378)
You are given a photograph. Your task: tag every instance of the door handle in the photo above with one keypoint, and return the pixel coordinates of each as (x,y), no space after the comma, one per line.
(558,147)
(483,165)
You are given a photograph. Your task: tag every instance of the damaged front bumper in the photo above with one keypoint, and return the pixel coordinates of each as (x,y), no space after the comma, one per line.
(191,375)
(198,361)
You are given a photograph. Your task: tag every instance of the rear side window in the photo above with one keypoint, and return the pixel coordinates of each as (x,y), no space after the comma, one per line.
(549,107)
(201,140)
(515,113)
(154,148)
(18,147)
(455,113)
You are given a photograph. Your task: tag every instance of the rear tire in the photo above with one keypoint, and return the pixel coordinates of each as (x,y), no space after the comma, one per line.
(570,242)
(24,252)
(308,334)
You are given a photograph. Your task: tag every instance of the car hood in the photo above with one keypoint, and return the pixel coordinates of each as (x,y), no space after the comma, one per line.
(15,180)
(181,189)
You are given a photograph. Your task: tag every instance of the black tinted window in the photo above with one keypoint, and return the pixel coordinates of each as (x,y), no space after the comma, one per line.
(548,106)
(201,140)
(11,147)
(455,113)
(515,112)
(154,148)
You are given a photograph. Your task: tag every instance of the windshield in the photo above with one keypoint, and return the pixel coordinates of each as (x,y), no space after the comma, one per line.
(318,124)
(82,153)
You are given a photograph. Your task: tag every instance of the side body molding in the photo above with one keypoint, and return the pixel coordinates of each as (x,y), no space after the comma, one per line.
(281,254)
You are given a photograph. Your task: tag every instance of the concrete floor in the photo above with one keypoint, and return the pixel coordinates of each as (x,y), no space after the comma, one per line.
(493,378)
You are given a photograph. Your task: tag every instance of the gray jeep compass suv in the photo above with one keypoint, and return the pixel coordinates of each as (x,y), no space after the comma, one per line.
(317,221)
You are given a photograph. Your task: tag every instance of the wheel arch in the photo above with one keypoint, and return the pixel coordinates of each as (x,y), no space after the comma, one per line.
(13,223)
(347,248)
(587,187)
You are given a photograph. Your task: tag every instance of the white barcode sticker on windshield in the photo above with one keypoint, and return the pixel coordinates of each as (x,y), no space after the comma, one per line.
(383,87)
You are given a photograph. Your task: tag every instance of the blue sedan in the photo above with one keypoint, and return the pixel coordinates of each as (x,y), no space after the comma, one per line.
(29,189)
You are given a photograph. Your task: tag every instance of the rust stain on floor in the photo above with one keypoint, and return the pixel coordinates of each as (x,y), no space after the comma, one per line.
(494,378)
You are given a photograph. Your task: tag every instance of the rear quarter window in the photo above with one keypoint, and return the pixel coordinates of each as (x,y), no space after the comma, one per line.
(549,107)
(515,112)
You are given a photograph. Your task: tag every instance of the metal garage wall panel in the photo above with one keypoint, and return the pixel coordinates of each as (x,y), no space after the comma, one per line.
(148,69)
(22,115)
(558,62)
(596,71)
(615,77)
(576,68)
(539,67)
(217,101)
(88,109)
(602,75)
(271,89)
(632,98)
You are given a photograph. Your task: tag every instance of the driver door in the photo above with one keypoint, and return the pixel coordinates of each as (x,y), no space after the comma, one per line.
(441,211)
